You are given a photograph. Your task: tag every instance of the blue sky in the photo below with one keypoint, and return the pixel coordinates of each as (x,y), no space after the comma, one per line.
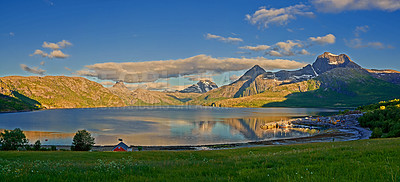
(209,32)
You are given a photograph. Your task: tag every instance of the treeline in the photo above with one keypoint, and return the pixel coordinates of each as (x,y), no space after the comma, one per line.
(16,140)
(383,118)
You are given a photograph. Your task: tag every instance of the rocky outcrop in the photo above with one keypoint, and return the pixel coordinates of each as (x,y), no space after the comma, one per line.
(202,86)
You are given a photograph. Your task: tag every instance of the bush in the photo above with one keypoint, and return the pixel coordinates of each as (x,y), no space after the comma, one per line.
(376,133)
(12,139)
(37,145)
(83,141)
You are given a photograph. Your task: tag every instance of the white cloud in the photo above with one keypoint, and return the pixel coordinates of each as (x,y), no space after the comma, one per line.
(54,54)
(285,48)
(64,43)
(274,53)
(50,45)
(42,63)
(12,34)
(224,39)
(57,54)
(292,47)
(335,6)
(34,70)
(59,45)
(256,48)
(327,39)
(68,69)
(359,43)
(264,17)
(149,71)
(360,29)
(288,45)
(304,52)
(56,49)
(40,53)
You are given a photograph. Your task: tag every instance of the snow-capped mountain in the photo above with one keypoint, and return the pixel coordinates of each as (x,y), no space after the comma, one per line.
(202,86)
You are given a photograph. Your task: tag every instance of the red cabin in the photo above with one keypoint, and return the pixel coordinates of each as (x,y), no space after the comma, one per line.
(121,147)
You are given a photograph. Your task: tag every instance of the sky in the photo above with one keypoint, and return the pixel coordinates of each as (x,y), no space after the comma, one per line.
(172,44)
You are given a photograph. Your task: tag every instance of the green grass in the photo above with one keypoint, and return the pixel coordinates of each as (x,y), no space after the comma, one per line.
(363,160)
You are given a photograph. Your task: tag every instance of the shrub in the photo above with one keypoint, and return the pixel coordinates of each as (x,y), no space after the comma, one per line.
(384,120)
(83,141)
(12,139)
(376,133)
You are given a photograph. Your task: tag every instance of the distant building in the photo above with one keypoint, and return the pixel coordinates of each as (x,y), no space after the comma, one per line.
(121,147)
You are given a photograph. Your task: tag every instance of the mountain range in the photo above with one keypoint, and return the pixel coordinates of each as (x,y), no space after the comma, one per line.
(331,81)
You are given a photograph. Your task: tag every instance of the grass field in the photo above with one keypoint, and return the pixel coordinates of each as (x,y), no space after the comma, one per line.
(363,160)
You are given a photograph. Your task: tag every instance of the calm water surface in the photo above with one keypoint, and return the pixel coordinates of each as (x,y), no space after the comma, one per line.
(157,125)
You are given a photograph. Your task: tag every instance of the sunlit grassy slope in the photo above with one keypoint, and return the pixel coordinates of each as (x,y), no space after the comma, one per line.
(363,160)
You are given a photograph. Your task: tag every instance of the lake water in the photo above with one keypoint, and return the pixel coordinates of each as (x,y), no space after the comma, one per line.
(157,125)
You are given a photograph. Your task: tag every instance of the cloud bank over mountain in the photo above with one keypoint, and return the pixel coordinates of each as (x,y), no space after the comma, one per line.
(149,71)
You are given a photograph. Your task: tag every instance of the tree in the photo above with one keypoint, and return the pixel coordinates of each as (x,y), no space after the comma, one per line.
(37,145)
(83,141)
(12,139)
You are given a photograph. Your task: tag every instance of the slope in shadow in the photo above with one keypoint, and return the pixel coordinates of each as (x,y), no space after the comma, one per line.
(347,96)
(17,103)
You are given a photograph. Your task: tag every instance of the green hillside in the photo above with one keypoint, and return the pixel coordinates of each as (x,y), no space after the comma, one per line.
(342,87)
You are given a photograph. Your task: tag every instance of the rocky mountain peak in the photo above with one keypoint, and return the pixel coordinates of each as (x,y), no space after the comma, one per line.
(328,61)
(120,84)
(202,86)
(252,73)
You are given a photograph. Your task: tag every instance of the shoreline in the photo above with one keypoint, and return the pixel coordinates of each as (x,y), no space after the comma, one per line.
(44,109)
(347,131)
(325,137)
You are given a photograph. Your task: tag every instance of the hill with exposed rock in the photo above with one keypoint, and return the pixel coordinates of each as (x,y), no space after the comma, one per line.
(51,92)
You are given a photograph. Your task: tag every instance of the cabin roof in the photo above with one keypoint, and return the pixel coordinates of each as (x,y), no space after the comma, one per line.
(122,145)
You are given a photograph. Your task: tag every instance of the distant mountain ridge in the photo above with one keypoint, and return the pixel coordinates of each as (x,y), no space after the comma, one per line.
(142,96)
(202,86)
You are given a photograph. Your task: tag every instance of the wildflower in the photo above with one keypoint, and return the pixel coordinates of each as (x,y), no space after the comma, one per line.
(382,108)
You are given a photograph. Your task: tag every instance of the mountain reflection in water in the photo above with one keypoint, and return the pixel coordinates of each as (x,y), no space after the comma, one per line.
(178,125)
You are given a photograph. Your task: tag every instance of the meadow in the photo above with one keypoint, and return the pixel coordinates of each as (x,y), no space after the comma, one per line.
(361,160)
